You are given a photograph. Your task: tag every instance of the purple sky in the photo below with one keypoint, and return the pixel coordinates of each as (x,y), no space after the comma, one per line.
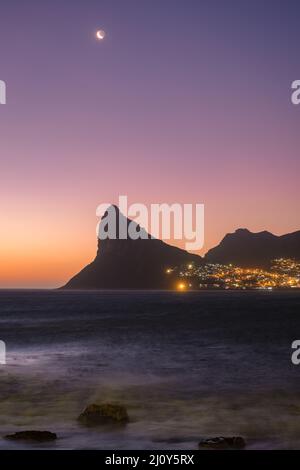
(184,101)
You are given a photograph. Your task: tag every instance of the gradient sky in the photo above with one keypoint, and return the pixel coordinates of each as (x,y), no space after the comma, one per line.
(184,101)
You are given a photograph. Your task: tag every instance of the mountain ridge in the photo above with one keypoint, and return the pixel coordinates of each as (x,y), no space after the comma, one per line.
(131,264)
(142,263)
(254,249)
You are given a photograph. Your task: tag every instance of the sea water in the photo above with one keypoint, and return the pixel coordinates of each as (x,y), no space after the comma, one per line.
(186,365)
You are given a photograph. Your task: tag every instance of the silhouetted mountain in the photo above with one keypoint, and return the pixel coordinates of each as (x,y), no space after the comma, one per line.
(131,264)
(246,249)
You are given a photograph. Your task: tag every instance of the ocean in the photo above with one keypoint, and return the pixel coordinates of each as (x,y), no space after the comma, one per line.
(187,366)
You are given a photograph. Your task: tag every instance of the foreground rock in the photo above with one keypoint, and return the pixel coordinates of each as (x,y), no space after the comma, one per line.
(38,436)
(102,414)
(235,442)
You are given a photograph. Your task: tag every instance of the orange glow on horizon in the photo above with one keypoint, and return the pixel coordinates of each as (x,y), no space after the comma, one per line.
(46,239)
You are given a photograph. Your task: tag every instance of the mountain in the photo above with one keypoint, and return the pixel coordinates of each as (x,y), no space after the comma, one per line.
(246,249)
(131,264)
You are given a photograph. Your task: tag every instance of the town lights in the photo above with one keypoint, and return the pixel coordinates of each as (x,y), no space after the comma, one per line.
(181,286)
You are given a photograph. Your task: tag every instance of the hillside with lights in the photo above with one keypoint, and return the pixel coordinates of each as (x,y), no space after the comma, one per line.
(243,260)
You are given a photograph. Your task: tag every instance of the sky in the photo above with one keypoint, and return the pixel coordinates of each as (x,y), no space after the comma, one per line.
(183,101)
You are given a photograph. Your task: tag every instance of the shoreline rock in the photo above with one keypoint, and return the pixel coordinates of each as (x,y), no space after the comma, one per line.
(38,436)
(105,413)
(235,442)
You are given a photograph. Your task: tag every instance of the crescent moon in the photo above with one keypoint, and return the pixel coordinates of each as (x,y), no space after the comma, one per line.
(100,34)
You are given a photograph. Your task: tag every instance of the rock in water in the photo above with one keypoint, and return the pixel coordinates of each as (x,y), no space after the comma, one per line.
(38,436)
(105,413)
(235,442)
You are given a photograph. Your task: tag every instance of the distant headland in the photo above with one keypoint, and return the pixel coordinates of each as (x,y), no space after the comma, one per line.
(243,260)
